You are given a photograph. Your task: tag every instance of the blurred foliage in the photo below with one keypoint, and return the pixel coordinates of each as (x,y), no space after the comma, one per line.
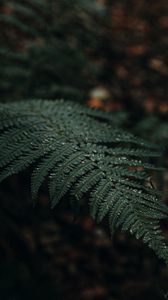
(47,47)
(153,127)
(136,41)
(65,49)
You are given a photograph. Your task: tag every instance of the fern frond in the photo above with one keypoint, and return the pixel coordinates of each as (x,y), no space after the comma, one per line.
(83,154)
(47,163)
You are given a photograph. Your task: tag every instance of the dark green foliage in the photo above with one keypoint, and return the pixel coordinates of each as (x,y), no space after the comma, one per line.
(154,127)
(84,155)
(42,53)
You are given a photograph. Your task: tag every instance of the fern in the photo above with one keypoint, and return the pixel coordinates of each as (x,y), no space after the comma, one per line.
(82,153)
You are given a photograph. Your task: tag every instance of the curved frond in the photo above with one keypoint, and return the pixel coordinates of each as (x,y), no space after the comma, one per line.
(84,156)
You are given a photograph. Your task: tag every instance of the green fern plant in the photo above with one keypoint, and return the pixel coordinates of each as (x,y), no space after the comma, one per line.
(84,155)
